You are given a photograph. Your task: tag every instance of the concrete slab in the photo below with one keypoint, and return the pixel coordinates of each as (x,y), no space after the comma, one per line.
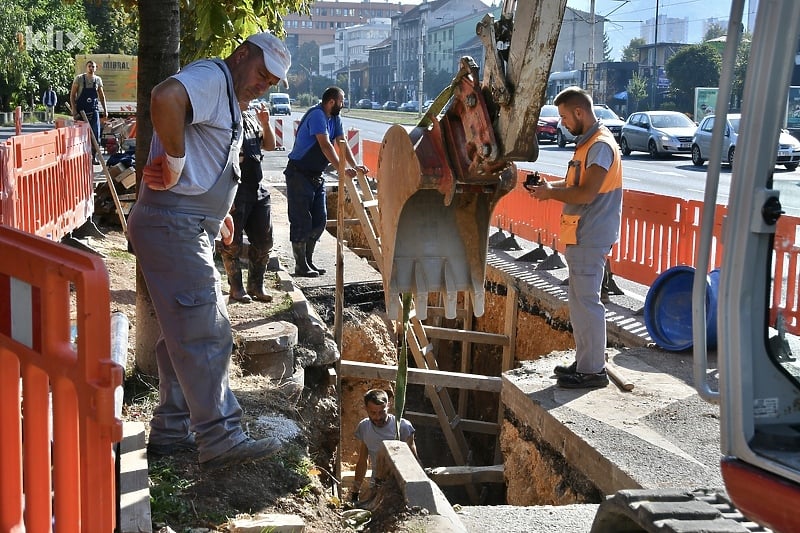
(660,434)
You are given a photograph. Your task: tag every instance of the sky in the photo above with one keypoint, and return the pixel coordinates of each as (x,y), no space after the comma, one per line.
(631,14)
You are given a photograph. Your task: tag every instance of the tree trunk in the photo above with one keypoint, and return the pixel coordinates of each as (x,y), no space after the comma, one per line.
(159,47)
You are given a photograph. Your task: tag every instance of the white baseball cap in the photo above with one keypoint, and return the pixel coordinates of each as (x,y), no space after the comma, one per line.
(276,56)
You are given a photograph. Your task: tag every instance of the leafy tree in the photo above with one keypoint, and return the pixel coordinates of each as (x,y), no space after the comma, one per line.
(637,91)
(714,30)
(740,70)
(116,26)
(607,48)
(46,34)
(692,66)
(17,64)
(631,52)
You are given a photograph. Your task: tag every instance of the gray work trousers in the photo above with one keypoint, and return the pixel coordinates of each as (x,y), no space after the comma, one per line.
(586,312)
(194,348)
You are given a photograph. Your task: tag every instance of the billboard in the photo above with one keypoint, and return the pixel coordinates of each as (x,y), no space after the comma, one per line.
(705,100)
(793,109)
(118,73)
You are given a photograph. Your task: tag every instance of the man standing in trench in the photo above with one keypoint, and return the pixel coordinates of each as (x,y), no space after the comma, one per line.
(590,221)
(188,186)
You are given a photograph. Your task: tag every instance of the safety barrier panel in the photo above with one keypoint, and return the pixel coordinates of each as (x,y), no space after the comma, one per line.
(46,179)
(354,142)
(56,391)
(279,142)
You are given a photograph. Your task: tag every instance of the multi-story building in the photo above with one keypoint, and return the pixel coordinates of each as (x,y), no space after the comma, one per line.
(326,17)
(670,30)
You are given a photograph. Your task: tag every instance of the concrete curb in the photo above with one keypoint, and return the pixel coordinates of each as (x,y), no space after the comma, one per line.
(395,458)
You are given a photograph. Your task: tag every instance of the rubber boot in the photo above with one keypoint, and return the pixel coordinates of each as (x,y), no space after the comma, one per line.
(255,281)
(234,272)
(310,245)
(301,267)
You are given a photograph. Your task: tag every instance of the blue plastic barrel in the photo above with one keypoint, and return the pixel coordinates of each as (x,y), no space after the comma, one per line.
(668,309)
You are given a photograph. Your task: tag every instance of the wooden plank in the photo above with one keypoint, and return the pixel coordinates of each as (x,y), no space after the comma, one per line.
(466,353)
(367,224)
(479,337)
(134,491)
(465,424)
(448,476)
(421,376)
(510,328)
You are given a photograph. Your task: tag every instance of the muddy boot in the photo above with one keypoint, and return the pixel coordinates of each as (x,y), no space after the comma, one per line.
(310,245)
(234,272)
(301,267)
(255,281)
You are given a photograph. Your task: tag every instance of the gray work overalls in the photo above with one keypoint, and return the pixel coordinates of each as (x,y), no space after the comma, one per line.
(173,238)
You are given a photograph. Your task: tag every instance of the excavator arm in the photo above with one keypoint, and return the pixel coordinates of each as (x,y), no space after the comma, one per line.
(439,183)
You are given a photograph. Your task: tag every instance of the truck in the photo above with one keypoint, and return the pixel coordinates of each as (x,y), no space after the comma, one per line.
(280,104)
(439,182)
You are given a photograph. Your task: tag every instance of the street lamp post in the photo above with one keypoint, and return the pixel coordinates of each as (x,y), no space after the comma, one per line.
(655,58)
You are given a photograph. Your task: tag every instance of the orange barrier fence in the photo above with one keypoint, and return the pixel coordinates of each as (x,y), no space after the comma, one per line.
(56,390)
(46,181)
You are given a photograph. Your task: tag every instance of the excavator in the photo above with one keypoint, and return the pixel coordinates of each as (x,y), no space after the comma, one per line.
(438,185)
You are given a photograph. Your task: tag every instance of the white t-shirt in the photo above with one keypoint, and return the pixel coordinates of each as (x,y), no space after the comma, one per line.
(372,435)
(208,137)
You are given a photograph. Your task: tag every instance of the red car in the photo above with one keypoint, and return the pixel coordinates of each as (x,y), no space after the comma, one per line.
(547,127)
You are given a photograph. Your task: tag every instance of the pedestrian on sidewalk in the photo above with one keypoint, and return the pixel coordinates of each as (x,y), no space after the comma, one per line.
(377,427)
(188,186)
(590,222)
(313,150)
(251,211)
(49,100)
(87,95)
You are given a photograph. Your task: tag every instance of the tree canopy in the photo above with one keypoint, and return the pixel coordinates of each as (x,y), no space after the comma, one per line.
(693,66)
(631,52)
(43,38)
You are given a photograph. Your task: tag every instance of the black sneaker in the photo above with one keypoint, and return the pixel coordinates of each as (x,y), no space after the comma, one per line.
(583,381)
(185,445)
(563,370)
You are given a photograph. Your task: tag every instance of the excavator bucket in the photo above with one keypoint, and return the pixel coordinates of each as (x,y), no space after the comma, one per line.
(437,188)
(439,183)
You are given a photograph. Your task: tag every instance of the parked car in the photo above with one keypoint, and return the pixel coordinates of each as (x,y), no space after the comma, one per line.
(364,103)
(657,132)
(390,105)
(548,120)
(412,106)
(375,105)
(788,146)
(609,119)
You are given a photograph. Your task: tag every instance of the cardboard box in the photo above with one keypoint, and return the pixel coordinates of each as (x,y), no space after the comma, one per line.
(127,178)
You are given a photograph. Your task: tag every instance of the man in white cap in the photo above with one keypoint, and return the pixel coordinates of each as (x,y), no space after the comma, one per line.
(188,186)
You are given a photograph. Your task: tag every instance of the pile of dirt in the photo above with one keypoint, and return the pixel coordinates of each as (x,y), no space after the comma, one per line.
(298,480)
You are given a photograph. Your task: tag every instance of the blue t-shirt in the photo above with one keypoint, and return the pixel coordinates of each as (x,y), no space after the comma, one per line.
(306,152)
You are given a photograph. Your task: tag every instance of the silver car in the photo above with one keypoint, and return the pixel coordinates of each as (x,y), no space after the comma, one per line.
(657,132)
(609,119)
(788,146)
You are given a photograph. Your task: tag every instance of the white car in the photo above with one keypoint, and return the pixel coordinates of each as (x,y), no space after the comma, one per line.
(788,146)
(657,132)
(609,119)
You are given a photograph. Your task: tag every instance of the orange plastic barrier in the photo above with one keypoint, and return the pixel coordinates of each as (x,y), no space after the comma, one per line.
(47,181)
(56,393)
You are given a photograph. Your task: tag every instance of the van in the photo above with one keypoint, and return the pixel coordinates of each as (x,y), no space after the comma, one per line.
(279,104)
